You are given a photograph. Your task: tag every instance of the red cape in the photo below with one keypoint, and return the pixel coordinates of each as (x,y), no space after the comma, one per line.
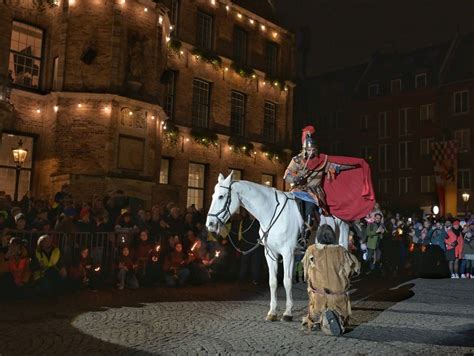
(351,195)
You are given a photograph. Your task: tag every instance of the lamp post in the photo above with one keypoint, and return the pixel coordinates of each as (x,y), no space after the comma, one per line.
(465,198)
(435,210)
(19,157)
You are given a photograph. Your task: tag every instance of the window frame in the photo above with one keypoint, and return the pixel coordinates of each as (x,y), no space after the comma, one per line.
(406,122)
(269,126)
(377,93)
(196,188)
(41,59)
(271,64)
(407,185)
(170,95)
(201,40)
(464,145)
(429,182)
(384,115)
(467,109)
(428,111)
(270,176)
(238,113)
(365,120)
(197,106)
(461,172)
(399,89)
(168,170)
(428,141)
(387,150)
(420,75)
(406,159)
(241,58)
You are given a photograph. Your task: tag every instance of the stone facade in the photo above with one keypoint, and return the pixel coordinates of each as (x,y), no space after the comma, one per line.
(97,116)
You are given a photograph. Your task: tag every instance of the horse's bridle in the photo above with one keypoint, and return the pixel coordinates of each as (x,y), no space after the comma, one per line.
(225,209)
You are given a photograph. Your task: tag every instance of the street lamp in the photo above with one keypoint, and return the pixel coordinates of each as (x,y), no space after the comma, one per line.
(19,157)
(465,198)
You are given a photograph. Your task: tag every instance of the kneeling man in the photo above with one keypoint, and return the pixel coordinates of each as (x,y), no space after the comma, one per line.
(328,268)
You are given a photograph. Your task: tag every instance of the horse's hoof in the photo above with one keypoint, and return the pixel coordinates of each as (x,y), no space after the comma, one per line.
(287,318)
(271,317)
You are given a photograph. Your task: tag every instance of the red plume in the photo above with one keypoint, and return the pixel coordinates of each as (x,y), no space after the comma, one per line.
(306,130)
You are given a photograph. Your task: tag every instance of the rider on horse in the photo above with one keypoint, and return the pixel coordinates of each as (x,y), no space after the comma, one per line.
(306,172)
(312,176)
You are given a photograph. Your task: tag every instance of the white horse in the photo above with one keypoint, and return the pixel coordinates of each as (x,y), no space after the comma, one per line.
(280,226)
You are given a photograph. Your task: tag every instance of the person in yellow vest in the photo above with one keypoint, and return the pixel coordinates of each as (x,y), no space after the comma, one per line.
(328,268)
(47,267)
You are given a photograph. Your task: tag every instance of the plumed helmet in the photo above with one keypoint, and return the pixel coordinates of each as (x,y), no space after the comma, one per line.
(307,139)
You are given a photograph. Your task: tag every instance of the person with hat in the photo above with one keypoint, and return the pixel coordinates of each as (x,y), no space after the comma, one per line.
(312,176)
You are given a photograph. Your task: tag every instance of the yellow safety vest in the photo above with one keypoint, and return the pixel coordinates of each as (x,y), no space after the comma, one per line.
(46,262)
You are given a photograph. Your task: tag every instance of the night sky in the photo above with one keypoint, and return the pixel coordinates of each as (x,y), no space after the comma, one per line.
(346,32)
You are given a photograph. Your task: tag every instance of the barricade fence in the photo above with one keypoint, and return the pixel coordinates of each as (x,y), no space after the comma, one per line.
(103,246)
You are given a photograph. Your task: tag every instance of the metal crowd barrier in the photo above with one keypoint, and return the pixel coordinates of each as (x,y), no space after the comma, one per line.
(103,246)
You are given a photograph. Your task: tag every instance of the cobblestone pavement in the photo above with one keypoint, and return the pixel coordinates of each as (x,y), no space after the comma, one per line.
(419,316)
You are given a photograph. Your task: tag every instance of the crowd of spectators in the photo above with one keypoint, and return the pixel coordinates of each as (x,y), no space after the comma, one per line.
(393,244)
(130,247)
(136,247)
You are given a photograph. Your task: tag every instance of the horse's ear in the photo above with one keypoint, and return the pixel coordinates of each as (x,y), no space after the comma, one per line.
(229,177)
(221,178)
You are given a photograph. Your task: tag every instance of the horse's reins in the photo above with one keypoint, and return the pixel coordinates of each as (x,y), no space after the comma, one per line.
(262,240)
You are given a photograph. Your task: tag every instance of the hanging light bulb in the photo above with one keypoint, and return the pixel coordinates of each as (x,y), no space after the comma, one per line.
(56,108)
(38,111)
(160,20)
(262,27)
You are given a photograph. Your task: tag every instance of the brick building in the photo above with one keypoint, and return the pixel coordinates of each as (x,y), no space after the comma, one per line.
(154,98)
(389,110)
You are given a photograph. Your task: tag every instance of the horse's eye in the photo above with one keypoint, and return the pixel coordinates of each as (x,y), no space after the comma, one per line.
(311,258)
(221,197)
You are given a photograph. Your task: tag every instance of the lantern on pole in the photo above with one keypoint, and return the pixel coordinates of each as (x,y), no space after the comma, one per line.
(19,158)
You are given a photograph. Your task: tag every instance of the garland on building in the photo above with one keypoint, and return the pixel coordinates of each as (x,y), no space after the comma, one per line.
(175,45)
(207,56)
(204,137)
(272,152)
(240,146)
(40,4)
(243,70)
(275,82)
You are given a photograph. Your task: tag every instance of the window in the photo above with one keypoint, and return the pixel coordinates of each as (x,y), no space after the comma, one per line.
(385,185)
(404,185)
(425,146)
(8,167)
(237,173)
(364,122)
(420,81)
(196,184)
(240,45)
(373,89)
(131,153)
(366,152)
(170,95)
(25,54)
(395,86)
(55,73)
(464,179)
(427,112)
(463,139)
(269,121)
(461,102)
(404,154)
(237,113)
(403,123)
(427,184)
(271,59)
(164,171)
(383,133)
(201,99)
(204,30)
(174,16)
(384,157)
(267,179)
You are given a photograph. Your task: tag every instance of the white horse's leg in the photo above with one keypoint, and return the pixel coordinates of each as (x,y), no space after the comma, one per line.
(272,264)
(288,262)
(343,234)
